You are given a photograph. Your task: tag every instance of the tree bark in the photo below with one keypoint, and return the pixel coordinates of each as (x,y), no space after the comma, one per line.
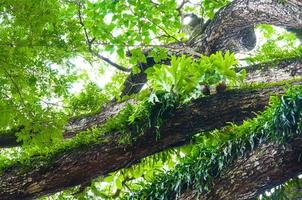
(79,165)
(248,177)
(269,72)
(240,14)
(227,31)
(265,72)
(220,34)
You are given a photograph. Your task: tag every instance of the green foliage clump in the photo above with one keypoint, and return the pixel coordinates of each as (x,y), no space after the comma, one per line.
(279,46)
(130,123)
(270,52)
(134,120)
(280,123)
(32,42)
(183,77)
(88,101)
(291,189)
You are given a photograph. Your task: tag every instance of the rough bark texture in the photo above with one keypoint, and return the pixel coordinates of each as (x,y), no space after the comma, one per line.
(76,166)
(270,72)
(230,30)
(267,72)
(240,14)
(268,166)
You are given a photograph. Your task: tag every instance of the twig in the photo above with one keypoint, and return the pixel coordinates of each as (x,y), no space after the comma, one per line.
(90,41)
(16,86)
(182,5)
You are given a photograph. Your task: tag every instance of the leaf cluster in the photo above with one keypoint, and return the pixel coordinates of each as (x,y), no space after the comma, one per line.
(184,75)
(213,152)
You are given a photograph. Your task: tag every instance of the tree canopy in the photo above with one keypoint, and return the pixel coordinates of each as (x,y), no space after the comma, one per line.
(150,99)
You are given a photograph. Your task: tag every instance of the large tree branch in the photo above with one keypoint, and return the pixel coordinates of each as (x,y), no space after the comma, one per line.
(270,72)
(79,165)
(265,72)
(266,167)
(245,13)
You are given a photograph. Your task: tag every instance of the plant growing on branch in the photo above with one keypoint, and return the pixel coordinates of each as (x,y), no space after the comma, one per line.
(74,105)
(184,75)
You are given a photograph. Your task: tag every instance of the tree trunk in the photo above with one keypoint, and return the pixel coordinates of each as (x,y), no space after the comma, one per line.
(227,24)
(248,177)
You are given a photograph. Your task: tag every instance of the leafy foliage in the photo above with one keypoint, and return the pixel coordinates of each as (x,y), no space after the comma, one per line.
(184,76)
(280,123)
(39,39)
(271,50)
(90,100)
(287,191)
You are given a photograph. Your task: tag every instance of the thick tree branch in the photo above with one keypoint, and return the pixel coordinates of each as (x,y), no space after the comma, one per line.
(272,72)
(66,169)
(245,13)
(266,167)
(268,72)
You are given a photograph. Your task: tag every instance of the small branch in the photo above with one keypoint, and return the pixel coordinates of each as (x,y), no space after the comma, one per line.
(55,104)
(89,43)
(182,4)
(179,8)
(18,89)
(161,28)
(107,60)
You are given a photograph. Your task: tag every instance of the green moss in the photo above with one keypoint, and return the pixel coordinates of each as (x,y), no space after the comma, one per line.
(130,123)
(263,85)
(214,151)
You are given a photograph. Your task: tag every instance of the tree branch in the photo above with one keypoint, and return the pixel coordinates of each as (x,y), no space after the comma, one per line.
(228,30)
(248,177)
(66,169)
(89,43)
(268,72)
(245,13)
